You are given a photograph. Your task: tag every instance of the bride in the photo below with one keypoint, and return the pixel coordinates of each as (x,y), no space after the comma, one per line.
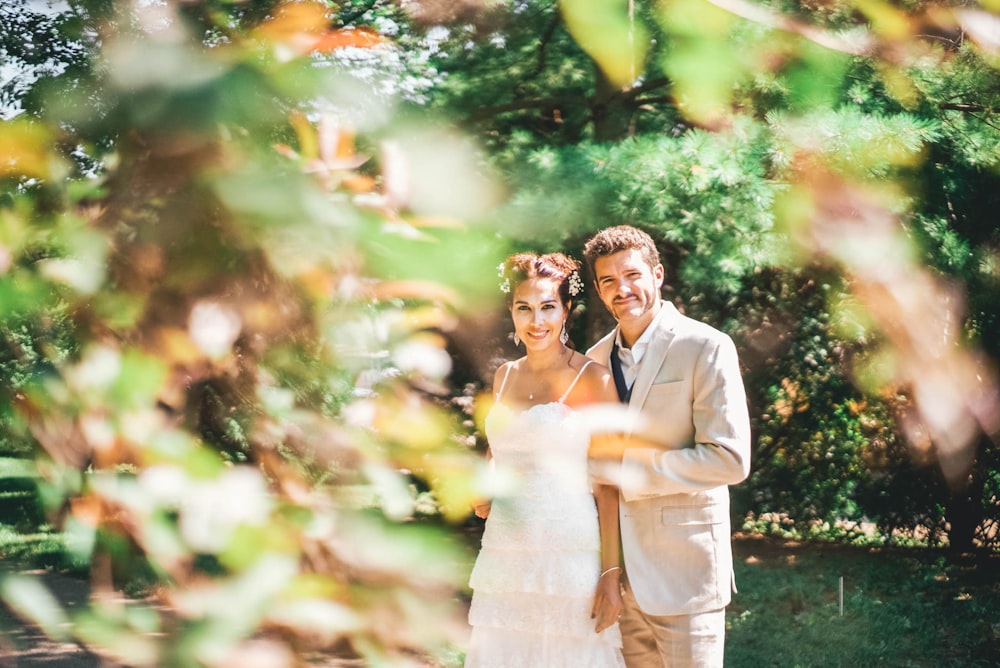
(546,583)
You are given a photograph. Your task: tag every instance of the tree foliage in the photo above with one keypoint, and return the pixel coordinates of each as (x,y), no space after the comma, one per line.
(246,260)
(225,319)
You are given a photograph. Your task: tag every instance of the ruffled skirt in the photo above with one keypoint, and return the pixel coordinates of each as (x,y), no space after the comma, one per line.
(533,588)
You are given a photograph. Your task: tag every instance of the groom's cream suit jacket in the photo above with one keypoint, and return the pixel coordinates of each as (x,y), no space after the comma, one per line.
(692,418)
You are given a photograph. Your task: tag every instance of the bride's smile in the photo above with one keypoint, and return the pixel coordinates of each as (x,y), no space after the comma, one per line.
(538,312)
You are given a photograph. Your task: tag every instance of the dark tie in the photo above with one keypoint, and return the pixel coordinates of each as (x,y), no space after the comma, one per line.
(624,392)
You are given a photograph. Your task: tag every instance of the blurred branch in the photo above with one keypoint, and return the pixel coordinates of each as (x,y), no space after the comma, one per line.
(862,46)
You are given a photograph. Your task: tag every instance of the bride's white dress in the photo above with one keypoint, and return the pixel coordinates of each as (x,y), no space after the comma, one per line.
(534,579)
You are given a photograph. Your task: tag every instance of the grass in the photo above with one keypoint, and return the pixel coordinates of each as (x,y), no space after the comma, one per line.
(40,549)
(901,607)
(26,540)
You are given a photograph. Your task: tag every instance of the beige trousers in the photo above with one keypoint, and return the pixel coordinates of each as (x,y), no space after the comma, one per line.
(674,641)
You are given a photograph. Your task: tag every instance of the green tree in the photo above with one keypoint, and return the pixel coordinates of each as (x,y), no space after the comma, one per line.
(771,148)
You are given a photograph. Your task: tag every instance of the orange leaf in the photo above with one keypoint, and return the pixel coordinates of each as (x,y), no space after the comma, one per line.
(88,510)
(359,38)
(293,21)
(359,184)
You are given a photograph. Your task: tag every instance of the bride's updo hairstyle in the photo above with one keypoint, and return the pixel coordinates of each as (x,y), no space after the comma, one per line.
(523,266)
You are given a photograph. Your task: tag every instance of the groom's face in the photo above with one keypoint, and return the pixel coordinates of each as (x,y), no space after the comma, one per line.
(629,287)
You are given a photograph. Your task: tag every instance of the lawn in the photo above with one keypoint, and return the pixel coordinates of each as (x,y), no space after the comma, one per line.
(25,537)
(901,607)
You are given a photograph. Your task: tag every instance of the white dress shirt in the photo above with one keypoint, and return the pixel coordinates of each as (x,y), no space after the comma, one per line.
(631,357)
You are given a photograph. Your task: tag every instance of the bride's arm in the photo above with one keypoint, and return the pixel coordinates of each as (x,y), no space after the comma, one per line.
(608,597)
(481,507)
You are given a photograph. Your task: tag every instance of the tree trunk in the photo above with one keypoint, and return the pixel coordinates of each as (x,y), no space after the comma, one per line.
(964,511)
(611,110)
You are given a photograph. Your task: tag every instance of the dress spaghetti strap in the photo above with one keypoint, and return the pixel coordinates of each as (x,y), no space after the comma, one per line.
(503,383)
(569,389)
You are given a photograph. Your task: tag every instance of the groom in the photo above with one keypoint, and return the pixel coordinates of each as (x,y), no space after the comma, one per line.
(682,378)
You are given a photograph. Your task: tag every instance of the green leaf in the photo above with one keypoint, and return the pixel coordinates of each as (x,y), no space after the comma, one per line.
(30,598)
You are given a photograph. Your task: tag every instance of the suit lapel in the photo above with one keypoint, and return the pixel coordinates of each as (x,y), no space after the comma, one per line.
(655,354)
(650,364)
(601,351)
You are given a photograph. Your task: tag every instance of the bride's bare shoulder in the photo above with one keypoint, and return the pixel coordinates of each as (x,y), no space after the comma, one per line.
(590,368)
(595,384)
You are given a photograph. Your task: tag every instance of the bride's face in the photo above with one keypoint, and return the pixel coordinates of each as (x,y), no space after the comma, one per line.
(538,313)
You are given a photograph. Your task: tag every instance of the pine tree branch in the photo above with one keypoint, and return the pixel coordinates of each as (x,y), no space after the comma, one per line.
(543,45)
(972,110)
(652,84)
(967,108)
(525,105)
(631,95)
(662,99)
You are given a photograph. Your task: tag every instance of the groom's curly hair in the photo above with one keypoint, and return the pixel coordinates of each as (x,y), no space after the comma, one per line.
(620,238)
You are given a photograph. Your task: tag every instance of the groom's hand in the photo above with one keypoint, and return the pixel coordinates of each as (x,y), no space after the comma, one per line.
(604,472)
(482,509)
(607,447)
(605,456)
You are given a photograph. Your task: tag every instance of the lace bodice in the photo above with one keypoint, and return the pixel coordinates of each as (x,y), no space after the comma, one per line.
(543,447)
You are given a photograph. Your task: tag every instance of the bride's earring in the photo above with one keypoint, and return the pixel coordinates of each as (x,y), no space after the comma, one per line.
(563,336)
(517,340)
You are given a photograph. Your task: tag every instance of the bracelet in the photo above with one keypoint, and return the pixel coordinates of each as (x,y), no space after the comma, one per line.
(613,568)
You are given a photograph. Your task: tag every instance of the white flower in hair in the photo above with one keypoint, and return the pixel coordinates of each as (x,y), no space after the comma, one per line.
(505,283)
(575,284)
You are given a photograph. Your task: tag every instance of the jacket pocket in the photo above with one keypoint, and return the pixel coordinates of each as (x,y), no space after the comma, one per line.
(667,389)
(679,516)
(693,543)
